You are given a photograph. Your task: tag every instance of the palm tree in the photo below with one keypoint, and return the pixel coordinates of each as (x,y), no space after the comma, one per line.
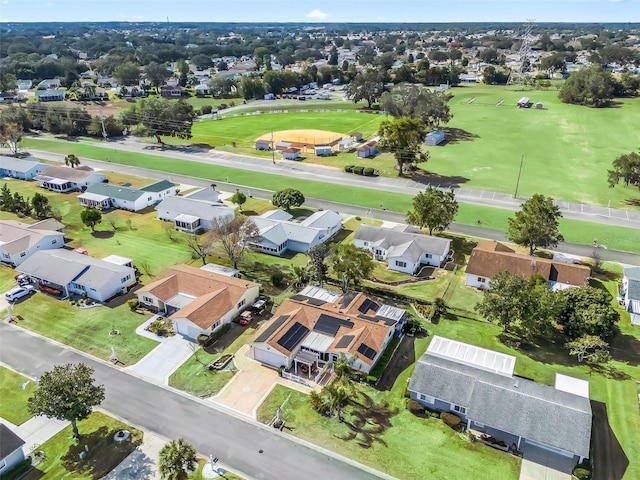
(177,459)
(71,161)
(344,375)
(336,399)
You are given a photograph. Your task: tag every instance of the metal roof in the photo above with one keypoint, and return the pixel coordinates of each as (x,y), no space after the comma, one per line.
(318,342)
(319,293)
(464,353)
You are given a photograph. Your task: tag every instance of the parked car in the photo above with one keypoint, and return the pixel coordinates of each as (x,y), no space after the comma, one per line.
(245,318)
(19,292)
(23,279)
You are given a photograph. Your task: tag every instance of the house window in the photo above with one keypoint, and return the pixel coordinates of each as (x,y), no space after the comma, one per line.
(5,255)
(242,302)
(23,254)
(401,264)
(482,279)
(366,244)
(426,398)
(459,409)
(54,241)
(147,300)
(478,424)
(428,255)
(215,325)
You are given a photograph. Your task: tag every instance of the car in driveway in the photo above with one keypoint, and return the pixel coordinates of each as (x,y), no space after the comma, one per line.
(245,318)
(19,292)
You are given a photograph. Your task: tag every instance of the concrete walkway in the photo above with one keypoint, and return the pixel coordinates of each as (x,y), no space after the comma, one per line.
(36,431)
(541,464)
(142,463)
(163,360)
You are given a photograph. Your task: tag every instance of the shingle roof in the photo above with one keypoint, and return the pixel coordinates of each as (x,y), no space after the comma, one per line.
(111,190)
(78,174)
(633,288)
(275,227)
(19,164)
(16,237)
(9,441)
(489,258)
(158,186)
(514,405)
(388,237)
(194,207)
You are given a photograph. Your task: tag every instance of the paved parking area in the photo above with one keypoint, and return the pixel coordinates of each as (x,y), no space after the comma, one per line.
(541,464)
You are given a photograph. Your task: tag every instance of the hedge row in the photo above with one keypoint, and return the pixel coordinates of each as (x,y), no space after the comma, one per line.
(358,170)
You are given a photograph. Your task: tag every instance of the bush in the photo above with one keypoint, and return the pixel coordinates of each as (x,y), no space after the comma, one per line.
(372,379)
(358,170)
(202,339)
(415,407)
(369,171)
(277,277)
(206,109)
(349,168)
(133,303)
(217,334)
(450,419)
(581,473)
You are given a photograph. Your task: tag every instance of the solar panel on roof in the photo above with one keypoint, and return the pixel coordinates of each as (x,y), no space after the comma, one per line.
(344,341)
(267,332)
(299,298)
(367,351)
(330,325)
(293,336)
(368,305)
(347,299)
(317,302)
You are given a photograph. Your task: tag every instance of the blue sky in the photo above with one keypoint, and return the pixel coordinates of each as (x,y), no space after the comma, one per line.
(320,11)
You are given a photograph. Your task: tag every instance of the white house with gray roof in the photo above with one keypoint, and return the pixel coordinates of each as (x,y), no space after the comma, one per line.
(630,293)
(70,273)
(18,241)
(404,247)
(480,387)
(66,179)
(21,168)
(278,233)
(194,211)
(108,195)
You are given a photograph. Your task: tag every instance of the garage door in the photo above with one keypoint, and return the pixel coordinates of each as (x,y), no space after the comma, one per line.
(268,358)
(188,330)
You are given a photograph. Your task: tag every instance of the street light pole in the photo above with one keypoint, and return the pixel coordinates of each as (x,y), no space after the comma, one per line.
(519,173)
(273,149)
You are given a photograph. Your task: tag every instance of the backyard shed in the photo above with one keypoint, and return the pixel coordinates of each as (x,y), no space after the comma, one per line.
(322,150)
(291,153)
(434,138)
(539,106)
(263,145)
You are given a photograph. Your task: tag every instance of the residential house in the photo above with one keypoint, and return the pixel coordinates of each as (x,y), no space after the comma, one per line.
(24,85)
(66,179)
(291,153)
(11,453)
(277,233)
(49,83)
(49,95)
(67,272)
(405,248)
(18,241)
(195,211)
(172,91)
(202,89)
(317,326)
(479,386)
(630,293)
(490,257)
(196,300)
(22,168)
(8,97)
(108,195)
(367,150)
(433,138)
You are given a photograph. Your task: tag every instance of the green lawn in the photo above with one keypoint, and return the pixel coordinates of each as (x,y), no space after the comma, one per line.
(197,475)
(13,406)
(62,451)
(86,329)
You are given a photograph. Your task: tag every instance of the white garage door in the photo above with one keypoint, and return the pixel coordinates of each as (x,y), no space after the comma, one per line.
(188,330)
(269,358)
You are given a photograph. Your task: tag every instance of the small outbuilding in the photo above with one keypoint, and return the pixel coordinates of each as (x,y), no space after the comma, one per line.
(357,136)
(291,153)
(282,146)
(263,145)
(323,150)
(539,106)
(367,150)
(434,138)
(524,102)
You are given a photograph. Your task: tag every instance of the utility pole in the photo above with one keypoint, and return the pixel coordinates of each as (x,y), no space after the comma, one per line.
(104,130)
(519,173)
(273,149)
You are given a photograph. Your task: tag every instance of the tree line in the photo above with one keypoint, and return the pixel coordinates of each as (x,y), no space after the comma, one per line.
(37,206)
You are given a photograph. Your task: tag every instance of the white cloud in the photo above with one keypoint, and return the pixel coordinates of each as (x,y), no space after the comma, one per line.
(317,14)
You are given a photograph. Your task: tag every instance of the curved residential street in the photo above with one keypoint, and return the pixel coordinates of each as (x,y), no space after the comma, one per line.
(252,449)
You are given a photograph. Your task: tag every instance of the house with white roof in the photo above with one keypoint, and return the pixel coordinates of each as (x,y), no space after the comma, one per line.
(69,272)
(278,233)
(66,179)
(195,211)
(22,168)
(18,241)
(405,248)
(108,195)
(630,293)
(500,408)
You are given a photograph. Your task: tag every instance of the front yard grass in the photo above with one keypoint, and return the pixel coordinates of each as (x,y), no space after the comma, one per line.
(86,329)
(13,406)
(62,451)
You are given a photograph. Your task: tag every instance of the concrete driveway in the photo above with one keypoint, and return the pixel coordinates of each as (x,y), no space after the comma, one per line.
(36,431)
(541,464)
(163,360)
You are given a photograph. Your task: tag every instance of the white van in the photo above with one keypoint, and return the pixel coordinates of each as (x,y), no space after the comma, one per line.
(18,292)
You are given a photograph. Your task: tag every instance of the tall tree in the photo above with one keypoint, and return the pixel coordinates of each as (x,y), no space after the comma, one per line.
(127,73)
(91,217)
(416,101)
(536,224)
(626,168)
(160,117)
(318,269)
(367,85)
(199,246)
(11,134)
(176,460)
(238,198)
(505,301)
(403,138)
(350,264)
(156,74)
(71,161)
(40,206)
(8,82)
(592,86)
(67,392)
(590,349)
(6,199)
(434,209)
(287,198)
(587,311)
(234,236)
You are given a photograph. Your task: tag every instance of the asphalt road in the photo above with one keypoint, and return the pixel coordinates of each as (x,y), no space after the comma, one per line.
(254,450)
(469,230)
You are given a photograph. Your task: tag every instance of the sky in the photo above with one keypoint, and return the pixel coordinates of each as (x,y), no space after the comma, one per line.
(324,11)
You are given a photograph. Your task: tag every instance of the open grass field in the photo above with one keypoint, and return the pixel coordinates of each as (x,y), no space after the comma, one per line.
(13,406)
(579,232)
(97,431)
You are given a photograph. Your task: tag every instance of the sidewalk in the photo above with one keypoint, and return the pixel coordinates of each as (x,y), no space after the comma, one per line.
(36,431)
(142,463)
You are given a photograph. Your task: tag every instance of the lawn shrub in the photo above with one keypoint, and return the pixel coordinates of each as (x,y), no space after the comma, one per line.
(415,407)
(349,168)
(206,109)
(358,170)
(133,303)
(372,379)
(277,278)
(213,338)
(450,419)
(432,413)
(369,171)
(581,473)
(202,339)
